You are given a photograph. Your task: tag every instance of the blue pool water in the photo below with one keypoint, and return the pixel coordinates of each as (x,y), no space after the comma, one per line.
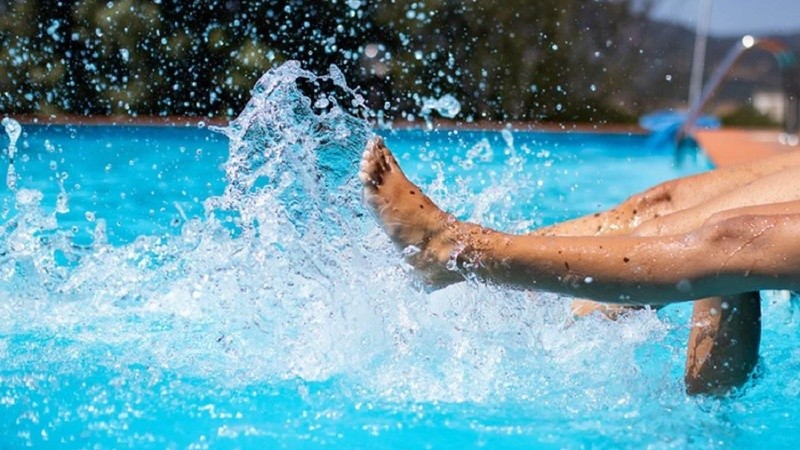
(173,287)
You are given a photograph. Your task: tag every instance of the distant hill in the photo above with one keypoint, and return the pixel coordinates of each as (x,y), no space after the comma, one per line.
(668,49)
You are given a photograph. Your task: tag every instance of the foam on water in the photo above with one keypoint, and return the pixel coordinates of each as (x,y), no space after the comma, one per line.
(287,277)
(447,106)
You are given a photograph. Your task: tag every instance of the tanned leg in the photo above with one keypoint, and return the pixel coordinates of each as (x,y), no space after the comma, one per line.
(725,333)
(435,237)
(777,188)
(734,256)
(414,223)
(723,344)
(774,188)
(650,213)
(670,197)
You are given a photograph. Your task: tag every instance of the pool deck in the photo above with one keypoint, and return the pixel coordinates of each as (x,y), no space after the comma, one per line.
(731,146)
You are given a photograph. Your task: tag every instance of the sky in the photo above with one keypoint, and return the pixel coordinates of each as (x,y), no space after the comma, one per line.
(736,17)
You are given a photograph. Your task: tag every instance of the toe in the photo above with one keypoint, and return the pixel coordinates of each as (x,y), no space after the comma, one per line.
(370,173)
(364,177)
(369,178)
(376,161)
(366,163)
(383,162)
(373,147)
(385,155)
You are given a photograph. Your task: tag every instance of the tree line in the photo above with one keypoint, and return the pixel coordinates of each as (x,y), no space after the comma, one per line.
(565,60)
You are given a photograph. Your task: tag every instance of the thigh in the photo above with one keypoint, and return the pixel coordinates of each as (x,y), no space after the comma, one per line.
(706,186)
(677,195)
(777,193)
(723,343)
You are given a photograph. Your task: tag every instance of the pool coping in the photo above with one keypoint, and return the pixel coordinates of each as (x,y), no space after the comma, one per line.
(731,146)
(401,124)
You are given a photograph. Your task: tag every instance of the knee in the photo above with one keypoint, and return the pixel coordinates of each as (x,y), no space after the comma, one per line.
(654,197)
(652,227)
(730,229)
(723,344)
(721,216)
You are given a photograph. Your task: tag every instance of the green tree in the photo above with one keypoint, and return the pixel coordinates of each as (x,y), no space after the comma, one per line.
(544,60)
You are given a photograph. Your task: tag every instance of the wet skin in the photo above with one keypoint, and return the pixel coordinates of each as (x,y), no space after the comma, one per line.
(723,233)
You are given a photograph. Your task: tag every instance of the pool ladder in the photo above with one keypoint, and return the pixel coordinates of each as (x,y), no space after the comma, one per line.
(788,64)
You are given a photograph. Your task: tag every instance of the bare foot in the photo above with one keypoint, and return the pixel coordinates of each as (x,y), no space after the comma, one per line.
(582,308)
(422,231)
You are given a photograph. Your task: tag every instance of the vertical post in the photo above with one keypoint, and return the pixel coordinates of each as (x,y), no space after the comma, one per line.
(791,86)
(699,59)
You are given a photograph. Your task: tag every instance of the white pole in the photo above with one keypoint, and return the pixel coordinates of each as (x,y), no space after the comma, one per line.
(699,60)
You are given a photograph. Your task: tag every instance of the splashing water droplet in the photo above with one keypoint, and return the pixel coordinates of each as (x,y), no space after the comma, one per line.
(411,250)
(100,235)
(508,137)
(11,177)
(27,197)
(12,127)
(447,106)
(322,102)
(337,77)
(62,199)
(452,265)
(13,130)
(62,203)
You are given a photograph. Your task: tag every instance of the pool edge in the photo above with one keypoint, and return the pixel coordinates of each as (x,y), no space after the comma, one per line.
(730,146)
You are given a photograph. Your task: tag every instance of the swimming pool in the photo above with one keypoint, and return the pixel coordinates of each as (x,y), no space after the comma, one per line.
(188,291)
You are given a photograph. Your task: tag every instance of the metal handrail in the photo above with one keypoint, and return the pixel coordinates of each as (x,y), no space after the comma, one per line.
(787,62)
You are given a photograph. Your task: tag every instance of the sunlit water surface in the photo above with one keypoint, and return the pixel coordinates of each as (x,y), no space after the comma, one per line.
(177,287)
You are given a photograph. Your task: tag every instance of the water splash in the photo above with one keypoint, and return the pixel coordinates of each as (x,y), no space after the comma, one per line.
(287,278)
(259,280)
(13,130)
(447,106)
